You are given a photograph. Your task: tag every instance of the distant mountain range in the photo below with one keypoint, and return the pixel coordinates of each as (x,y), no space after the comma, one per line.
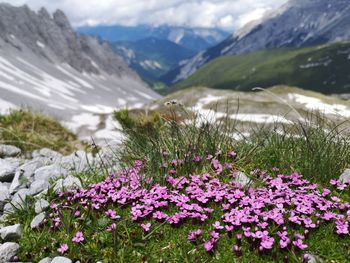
(323,68)
(195,39)
(151,57)
(298,23)
(46,65)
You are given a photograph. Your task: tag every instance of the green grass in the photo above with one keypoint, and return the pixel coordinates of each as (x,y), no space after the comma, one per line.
(30,130)
(277,67)
(319,150)
(316,147)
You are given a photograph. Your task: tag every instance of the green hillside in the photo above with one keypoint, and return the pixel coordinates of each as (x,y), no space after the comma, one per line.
(322,68)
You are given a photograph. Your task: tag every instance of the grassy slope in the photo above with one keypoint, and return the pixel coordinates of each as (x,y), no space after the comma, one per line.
(281,66)
(29,131)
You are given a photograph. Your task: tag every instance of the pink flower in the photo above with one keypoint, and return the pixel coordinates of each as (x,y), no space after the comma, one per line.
(299,244)
(63,249)
(112,214)
(112,227)
(193,235)
(79,237)
(217,226)
(146,227)
(209,245)
(77,213)
(232,154)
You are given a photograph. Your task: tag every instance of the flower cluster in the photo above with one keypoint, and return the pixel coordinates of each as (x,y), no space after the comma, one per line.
(281,213)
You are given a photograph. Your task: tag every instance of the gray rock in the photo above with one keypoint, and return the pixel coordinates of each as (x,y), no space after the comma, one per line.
(9,151)
(78,161)
(61,260)
(24,174)
(68,184)
(17,182)
(46,260)
(7,169)
(8,250)
(11,233)
(37,221)
(314,258)
(4,195)
(17,200)
(345,177)
(41,205)
(38,186)
(50,172)
(48,153)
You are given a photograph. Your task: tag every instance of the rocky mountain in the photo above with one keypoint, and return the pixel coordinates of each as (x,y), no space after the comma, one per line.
(322,68)
(151,57)
(195,39)
(45,65)
(298,23)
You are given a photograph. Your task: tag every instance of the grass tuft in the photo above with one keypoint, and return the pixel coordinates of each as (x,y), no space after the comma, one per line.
(30,130)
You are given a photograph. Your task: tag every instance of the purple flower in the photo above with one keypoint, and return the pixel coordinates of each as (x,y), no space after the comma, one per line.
(299,244)
(209,245)
(193,235)
(217,226)
(79,237)
(232,154)
(63,248)
(112,227)
(112,214)
(146,227)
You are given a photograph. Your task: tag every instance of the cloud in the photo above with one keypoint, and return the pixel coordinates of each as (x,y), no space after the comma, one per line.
(226,14)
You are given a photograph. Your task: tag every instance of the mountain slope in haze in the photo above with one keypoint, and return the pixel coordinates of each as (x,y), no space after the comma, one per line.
(195,39)
(45,65)
(298,23)
(320,68)
(151,57)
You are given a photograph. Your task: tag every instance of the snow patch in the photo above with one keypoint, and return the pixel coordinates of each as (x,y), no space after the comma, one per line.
(111,131)
(98,108)
(39,44)
(260,118)
(87,120)
(316,104)
(6,106)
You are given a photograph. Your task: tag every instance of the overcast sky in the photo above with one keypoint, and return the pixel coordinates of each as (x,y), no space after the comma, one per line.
(226,14)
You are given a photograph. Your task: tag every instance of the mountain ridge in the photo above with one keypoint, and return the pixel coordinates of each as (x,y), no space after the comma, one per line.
(48,67)
(195,39)
(296,24)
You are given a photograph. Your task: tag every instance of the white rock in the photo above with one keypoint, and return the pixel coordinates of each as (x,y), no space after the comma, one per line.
(9,151)
(50,172)
(38,186)
(68,184)
(242,179)
(41,205)
(61,260)
(46,260)
(7,251)
(37,221)
(7,169)
(11,233)
(345,177)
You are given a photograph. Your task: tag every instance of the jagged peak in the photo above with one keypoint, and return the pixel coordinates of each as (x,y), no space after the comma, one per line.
(44,13)
(61,19)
